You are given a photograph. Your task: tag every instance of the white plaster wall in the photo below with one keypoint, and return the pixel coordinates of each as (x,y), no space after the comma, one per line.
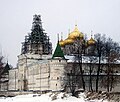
(13,79)
(56,71)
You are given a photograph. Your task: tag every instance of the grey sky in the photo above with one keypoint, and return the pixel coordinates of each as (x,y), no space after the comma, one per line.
(101,16)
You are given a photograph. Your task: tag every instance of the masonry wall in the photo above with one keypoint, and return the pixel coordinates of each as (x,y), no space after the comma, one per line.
(13,79)
(38,76)
(102,79)
(57,74)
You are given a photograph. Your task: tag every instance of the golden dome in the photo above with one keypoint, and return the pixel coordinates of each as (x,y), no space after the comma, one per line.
(68,41)
(75,34)
(91,41)
(62,43)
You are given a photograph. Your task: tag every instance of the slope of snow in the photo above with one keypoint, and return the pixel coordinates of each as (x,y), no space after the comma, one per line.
(49,97)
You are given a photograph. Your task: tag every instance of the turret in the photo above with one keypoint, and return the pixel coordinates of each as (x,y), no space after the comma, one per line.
(57,69)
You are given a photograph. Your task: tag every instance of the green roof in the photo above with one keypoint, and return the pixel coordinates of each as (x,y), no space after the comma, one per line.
(58,52)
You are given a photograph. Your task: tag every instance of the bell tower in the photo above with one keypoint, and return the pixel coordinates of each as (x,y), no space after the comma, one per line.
(36,48)
(37,41)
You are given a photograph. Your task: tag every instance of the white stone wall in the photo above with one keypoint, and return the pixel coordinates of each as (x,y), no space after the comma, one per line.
(44,74)
(38,76)
(57,74)
(13,79)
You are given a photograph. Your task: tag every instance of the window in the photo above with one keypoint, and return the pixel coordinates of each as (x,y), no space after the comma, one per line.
(57,78)
(59,60)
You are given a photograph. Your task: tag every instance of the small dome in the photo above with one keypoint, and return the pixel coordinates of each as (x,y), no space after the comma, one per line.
(68,41)
(75,34)
(62,43)
(91,41)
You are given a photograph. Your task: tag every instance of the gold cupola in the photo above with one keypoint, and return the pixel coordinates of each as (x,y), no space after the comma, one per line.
(91,41)
(75,34)
(68,41)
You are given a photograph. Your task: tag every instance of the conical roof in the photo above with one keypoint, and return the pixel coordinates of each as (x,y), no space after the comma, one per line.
(58,53)
(6,68)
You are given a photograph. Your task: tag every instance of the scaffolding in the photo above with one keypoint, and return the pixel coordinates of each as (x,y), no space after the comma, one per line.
(37,42)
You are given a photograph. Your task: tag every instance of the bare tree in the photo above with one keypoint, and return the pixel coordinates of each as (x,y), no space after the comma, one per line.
(92,60)
(75,78)
(112,50)
(1,65)
(100,41)
(80,52)
(1,69)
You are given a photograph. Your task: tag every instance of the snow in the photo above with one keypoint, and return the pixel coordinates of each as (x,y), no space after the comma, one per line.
(86,59)
(49,97)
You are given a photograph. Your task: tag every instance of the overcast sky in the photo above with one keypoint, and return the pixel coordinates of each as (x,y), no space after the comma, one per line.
(100,16)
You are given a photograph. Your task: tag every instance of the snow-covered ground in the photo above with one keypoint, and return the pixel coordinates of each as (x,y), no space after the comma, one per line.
(49,97)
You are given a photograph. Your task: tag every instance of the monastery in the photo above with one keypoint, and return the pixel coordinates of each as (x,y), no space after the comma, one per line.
(40,70)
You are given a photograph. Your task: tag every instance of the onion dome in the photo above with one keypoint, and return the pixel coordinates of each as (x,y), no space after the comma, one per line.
(68,41)
(75,34)
(62,43)
(91,41)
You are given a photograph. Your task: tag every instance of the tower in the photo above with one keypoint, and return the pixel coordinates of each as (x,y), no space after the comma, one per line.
(35,49)
(37,42)
(57,69)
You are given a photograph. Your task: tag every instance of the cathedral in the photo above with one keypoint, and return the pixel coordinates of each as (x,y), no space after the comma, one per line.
(40,70)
